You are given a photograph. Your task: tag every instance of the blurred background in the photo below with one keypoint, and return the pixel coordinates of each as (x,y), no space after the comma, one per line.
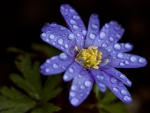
(22,20)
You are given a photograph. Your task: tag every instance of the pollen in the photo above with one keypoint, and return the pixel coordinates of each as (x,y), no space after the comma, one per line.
(89,58)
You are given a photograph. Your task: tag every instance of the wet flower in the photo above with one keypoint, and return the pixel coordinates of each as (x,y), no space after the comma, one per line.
(89,55)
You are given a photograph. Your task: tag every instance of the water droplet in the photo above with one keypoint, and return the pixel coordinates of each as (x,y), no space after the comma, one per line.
(117,27)
(72,94)
(53,25)
(113,80)
(84,32)
(47,70)
(122,76)
(100,77)
(78,35)
(71,70)
(128,46)
(74,101)
(117,46)
(72,21)
(60,41)
(120,55)
(133,59)
(62,28)
(65,77)
(47,61)
(43,34)
(127,99)
(112,22)
(55,66)
(121,84)
(71,36)
(126,62)
(76,17)
(118,36)
(75,27)
(102,85)
(51,36)
(94,26)
(107,25)
(124,92)
(63,56)
(82,86)
(92,36)
(122,64)
(54,43)
(47,40)
(102,35)
(66,46)
(115,89)
(62,8)
(129,82)
(88,83)
(142,60)
(72,10)
(73,87)
(111,39)
(104,45)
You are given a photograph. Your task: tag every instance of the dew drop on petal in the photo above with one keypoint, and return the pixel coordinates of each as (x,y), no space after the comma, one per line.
(120,55)
(115,89)
(82,86)
(142,60)
(72,94)
(71,10)
(43,34)
(71,36)
(88,83)
(128,46)
(117,46)
(76,17)
(127,99)
(73,87)
(92,36)
(111,39)
(55,66)
(104,45)
(94,26)
(123,92)
(84,32)
(74,101)
(133,59)
(102,35)
(126,62)
(60,41)
(51,36)
(107,25)
(122,64)
(121,84)
(72,21)
(47,40)
(66,46)
(122,76)
(113,80)
(129,82)
(100,78)
(71,70)
(101,85)
(75,27)
(63,56)
(118,36)
(65,77)
(47,70)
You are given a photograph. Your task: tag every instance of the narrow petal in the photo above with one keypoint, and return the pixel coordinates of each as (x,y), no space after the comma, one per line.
(56,64)
(109,34)
(93,29)
(115,85)
(73,70)
(99,78)
(118,75)
(119,47)
(124,60)
(81,87)
(74,23)
(59,37)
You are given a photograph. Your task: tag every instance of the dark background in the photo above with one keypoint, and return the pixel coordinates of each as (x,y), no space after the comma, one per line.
(21,22)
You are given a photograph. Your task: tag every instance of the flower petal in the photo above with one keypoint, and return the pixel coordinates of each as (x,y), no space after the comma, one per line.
(93,29)
(59,37)
(56,64)
(109,34)
(125,60)
(72,71)
(115,85)
(119,47)
(81,87)
(118,75)
(75,23)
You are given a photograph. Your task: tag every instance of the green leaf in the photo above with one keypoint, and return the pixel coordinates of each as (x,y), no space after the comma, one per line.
(46,108)
(108,98)
(14,101)
(45,49)
(49,90)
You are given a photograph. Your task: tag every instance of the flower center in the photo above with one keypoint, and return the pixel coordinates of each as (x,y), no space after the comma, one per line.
(89,57)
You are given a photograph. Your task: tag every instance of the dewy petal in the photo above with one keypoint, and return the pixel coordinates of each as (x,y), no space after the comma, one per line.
(115,85)
(99,78)
(93,29)
(56,64)
(118,75)
(119,47)
(59,37)
(109,34)
(81,87)
(75,23)
(73,70)
(125,60)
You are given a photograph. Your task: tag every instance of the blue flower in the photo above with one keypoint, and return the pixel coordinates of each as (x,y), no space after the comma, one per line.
(89,55)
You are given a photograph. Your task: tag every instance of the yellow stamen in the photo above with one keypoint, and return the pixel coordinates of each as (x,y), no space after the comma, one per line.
(89,57)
